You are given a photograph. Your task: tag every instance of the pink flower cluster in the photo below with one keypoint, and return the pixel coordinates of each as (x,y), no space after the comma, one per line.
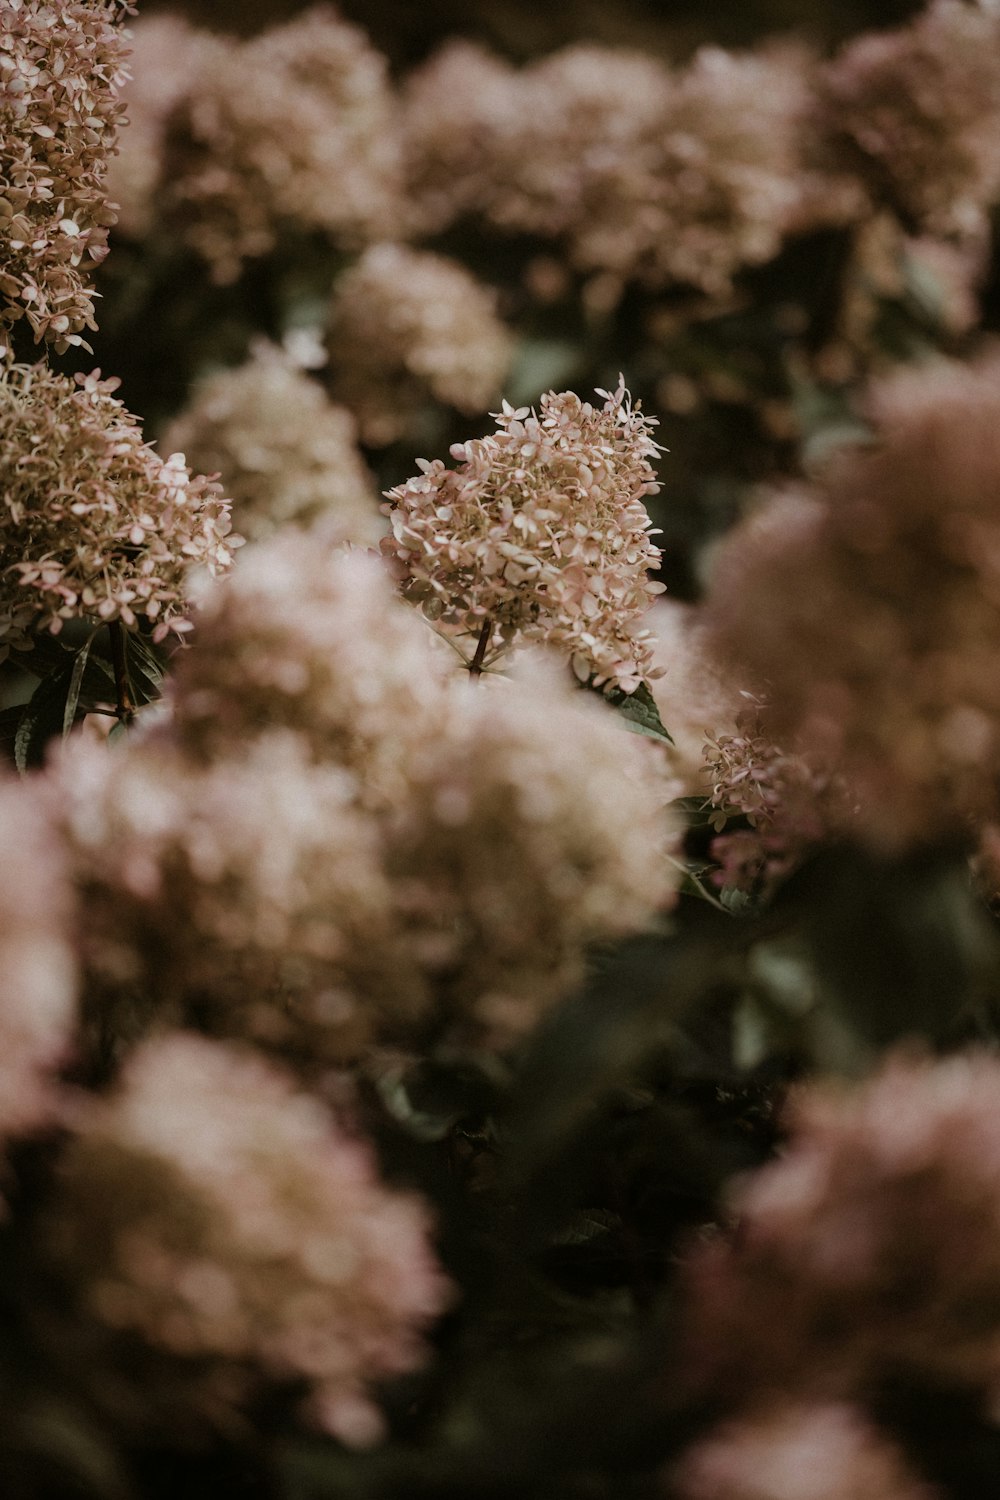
(96,524)
(211,1207)
(539,535)
(60,69)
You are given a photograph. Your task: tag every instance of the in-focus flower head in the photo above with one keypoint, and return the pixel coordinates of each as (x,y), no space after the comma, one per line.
(917,112)
(38,981)
(285,454)
(96,524)
(61,66)
(539,535)
(291,132)
(871,607)
(869,1251)
(211,1207)
(797,1452)
(408,326)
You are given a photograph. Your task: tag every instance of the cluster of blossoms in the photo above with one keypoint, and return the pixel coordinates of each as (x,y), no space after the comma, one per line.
(96,524)
(293,130)
(38,980)
(403,858)
(60,66)
(786,801)
(247,894)
(827,1451)
(285,454)
(916,112)
(643,172)
(539,534)
(872,608)
(215,1211)
(164,52)
(407,326)
(869,1252)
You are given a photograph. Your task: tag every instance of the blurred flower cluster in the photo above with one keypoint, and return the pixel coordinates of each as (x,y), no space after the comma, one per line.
(470,1025)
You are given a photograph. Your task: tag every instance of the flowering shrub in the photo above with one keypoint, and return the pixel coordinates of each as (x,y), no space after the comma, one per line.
(491,1006)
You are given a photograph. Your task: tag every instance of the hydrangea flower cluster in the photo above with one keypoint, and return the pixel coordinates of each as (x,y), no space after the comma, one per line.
(869,1250)
(38,978)
(404,859)
(60,68)
(164,52)
(826,1451)
(210,1207)
(293,130)
(917,112)
(644,172)
(407,326)
(786,801)
(872,607)
(539,535)
(286,455)
(96,524)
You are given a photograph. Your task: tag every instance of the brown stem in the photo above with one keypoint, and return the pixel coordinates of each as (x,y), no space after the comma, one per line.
(125,707)
(476,664)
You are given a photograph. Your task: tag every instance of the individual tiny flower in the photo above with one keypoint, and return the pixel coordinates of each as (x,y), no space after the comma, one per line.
(916,112)
(292,132)
(539,535)
(868,1253)
(61,68)
(215,1210)
(96,524)
(826,1451)
(285,454)
(408,327)
(164,51)
(38,978)
(870,607)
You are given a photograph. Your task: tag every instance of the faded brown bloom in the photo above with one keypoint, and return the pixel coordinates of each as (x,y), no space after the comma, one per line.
(540,534)
(211,1207)
(406,327)
(291,132)
(60,70)
(96,524)
(285,453)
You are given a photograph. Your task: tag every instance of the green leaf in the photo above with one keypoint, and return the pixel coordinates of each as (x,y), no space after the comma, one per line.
(640,712)
(76,676)
(145,669)
(43,718)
